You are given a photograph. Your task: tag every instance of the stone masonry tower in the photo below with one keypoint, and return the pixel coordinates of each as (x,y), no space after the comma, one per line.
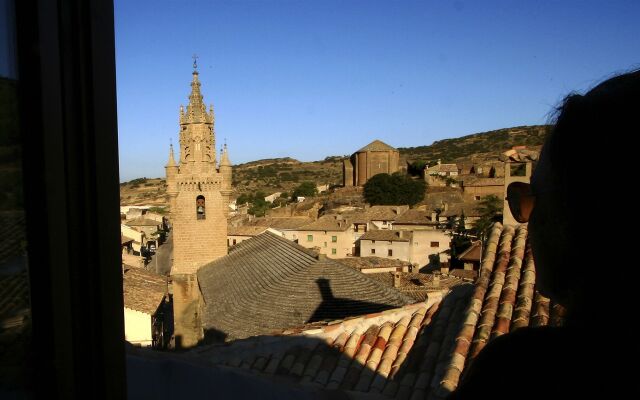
(199,190)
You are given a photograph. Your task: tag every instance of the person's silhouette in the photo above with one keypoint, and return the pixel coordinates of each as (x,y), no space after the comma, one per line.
(576,358)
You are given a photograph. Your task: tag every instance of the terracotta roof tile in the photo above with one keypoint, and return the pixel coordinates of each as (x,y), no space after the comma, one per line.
(417,351)
(415,217)
(328,223)
(141,221)
(387,235)
(143,290)
(245,230)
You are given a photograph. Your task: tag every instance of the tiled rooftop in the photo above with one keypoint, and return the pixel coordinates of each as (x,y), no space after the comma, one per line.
(334,223)
(414,352)
(387,235)
(268,283)
(472,253)
(245,230)
(372,262)
(476,181)
(143,290)
(376,145)
(415,217)
(443,168)
(384,213)
(141,221)
(417,285)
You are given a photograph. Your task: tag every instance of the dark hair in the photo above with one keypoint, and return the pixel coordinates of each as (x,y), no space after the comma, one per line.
(589,129)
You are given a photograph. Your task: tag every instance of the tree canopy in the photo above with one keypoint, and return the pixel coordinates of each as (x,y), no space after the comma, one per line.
(385,189)
(305,189)
(490,208)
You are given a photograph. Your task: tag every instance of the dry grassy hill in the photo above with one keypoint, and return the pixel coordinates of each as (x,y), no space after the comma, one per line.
(284,174)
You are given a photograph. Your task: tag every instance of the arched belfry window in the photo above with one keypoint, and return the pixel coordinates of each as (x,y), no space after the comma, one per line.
(200,207)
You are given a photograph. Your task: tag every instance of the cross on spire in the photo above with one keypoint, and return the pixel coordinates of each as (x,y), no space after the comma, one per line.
(195,61)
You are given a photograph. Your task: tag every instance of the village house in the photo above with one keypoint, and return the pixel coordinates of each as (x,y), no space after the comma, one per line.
(331,235)
(150,227)
(146,308)
(416,219)
(375,265)
(272,197)
(413,246)
(479,187)
(382,217)
(138,238)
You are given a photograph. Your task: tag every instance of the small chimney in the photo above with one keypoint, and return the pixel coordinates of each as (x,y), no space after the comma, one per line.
(434,216)
(446,206)
(436,279)
(439,161)
(396,279)
(444,268)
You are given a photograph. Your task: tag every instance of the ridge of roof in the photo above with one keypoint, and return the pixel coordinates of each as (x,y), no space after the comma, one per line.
(376,145)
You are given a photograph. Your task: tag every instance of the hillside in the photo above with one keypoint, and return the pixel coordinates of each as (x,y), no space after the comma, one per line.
(284,174)
(486,144)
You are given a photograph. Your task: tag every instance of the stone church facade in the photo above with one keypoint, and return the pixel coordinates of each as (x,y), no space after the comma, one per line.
(375,158)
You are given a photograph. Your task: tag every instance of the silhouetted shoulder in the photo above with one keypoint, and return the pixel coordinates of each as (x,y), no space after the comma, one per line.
(528,363)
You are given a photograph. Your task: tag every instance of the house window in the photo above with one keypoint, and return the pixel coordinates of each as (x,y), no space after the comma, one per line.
(373,242)
(435,244)
(476,198)
(309,238)
(390,252)
(373,251)
(234,242)
(333,251)
(334,239)
(325,244)
(200,207)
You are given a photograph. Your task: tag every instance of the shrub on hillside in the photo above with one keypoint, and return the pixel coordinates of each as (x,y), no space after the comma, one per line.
(385,189)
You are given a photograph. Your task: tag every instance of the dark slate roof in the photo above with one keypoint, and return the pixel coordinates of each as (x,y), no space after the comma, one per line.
(418,351)
(376,145)
(268,283)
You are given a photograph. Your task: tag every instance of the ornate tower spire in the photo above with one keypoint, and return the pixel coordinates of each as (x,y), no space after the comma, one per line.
(224,157)
(197,134)
(172,160)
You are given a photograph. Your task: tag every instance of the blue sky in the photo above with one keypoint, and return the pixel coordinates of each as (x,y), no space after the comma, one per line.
(310,79)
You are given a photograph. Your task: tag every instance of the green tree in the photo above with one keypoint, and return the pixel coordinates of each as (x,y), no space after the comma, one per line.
(305,189)
(259,207)
(490,209)
(385,189)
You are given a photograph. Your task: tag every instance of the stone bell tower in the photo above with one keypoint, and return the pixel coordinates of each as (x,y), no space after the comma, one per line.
(199,189)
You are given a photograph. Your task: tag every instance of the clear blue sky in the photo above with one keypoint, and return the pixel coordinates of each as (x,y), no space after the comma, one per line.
(309,79)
